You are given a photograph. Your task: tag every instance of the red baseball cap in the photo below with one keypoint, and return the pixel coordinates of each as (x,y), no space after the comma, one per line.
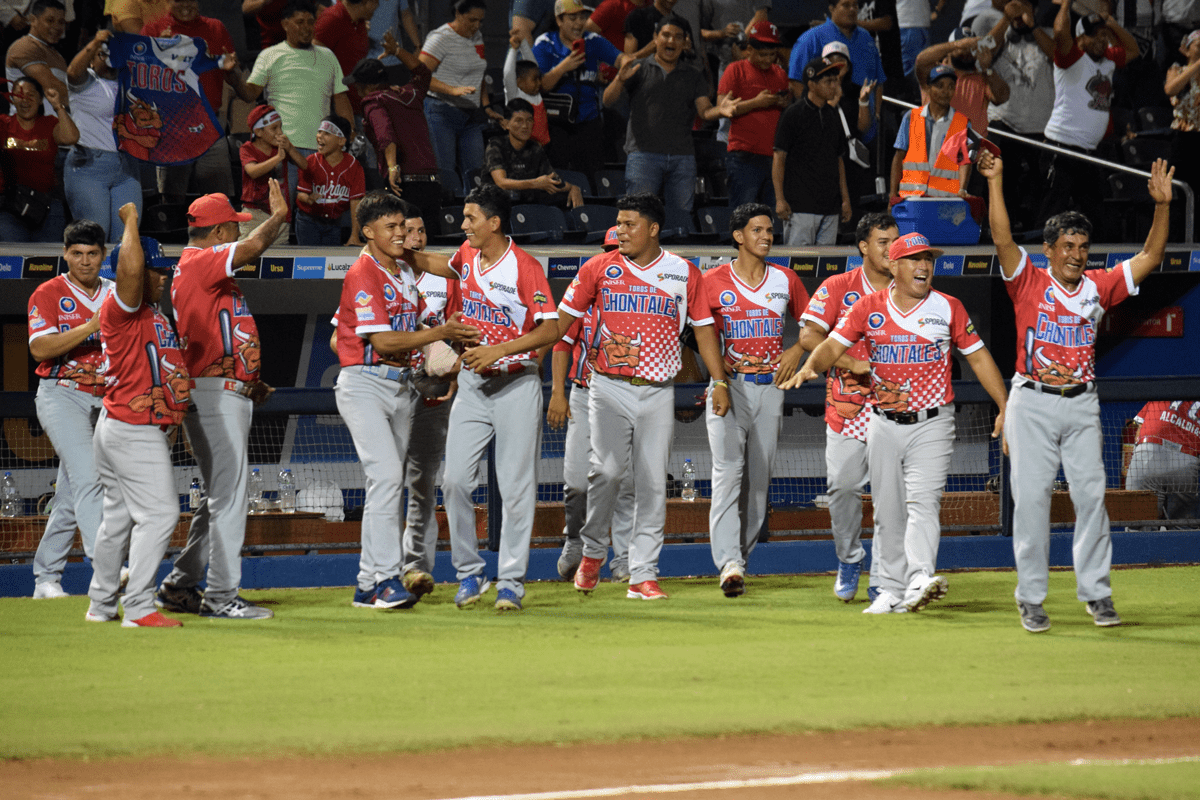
(764,32)
(610,239)
(909,245)
(213,209)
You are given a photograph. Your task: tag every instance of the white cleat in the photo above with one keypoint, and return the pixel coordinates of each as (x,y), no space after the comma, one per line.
(49,590)
(886,603)
(925,590)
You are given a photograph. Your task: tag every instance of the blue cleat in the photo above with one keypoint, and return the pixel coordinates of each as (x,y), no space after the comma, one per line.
(846,585)
(392,594)
(470,589)
(507,600)
(364,598)
(872,593)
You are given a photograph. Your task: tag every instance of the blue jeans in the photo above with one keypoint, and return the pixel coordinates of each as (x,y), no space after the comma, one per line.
(312,230)
(455,136)
(749,179)
(912,42)
(11,229)
(672,177)
(98,183)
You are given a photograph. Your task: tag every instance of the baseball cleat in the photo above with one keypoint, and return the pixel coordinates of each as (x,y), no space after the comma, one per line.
(419,582)
(872,593)
(1033,617)
(237,608)
(151,620)
(92,616)
(364,598)
(886,603)
(925,590)
(470,589)
(507,600)
(178,599)
(733,580)
(49,590)
(124,580)
(619,567)
(1103,613)
(392,594)
(588,574)
(568,560)
(846,585)
(646,590)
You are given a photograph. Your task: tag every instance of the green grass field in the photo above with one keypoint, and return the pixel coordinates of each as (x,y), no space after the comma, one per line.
(786,657)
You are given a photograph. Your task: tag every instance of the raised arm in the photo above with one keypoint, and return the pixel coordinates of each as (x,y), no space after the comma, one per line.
(131,263)
(992,168)
(77,69)
(433,263)
(249,249)
(1064,40)
(1155,248)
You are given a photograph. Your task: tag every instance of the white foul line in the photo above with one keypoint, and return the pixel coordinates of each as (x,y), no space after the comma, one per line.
(667,788)
(1118,762)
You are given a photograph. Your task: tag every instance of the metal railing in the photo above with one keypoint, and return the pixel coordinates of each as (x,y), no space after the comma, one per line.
(1189,197)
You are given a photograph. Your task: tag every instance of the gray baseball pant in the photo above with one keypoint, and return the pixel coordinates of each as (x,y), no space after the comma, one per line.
(55,546)
(631,431)
(141,509)
(743,446)
(426,446)
(218,431)
(908,466)
(577,460)
(509,408)
(1173,474)
(372,408)
(69,418)
(1043,430)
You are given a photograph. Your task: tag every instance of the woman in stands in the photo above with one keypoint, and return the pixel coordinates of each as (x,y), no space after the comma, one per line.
(33,209)
(1183,87)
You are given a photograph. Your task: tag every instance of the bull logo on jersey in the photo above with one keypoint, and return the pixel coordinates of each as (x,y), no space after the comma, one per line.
(248,350)
(892,396)
(875,321)
(748,363)
(727,298)
(139,128)
(847,394)
(1100,88)
(1053,373)
(613,272)
(168,397)
(82,372)
(850,298)
(622,354)
(67,305)
(389,293)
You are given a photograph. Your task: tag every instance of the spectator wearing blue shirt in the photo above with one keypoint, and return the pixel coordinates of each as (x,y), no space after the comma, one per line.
(842,26)
(570,60)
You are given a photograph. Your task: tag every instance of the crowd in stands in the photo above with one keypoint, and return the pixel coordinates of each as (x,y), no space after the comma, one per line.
(703,102)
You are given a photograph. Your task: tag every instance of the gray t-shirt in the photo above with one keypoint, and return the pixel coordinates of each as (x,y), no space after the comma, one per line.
(662,106)
(461,63)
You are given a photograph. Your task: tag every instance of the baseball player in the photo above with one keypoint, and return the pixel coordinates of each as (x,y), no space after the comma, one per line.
(506,296)
(748,298)
(1055,415)
(376,336)
(643,297)
(64,337)
(848,399)
(573,357)
(221,347)
(147,393)
(910,329)
(1167,457)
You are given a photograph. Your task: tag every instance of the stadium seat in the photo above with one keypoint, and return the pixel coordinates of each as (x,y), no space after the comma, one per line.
(1141,152)
(166,222)
(592,221)
(577,178)
(449,225)
(533,223)
(714,220)
(1155,119)
(610,183)
(451,187)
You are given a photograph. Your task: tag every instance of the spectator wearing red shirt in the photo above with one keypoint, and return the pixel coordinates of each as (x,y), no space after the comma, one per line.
(608,20)
(31,140)
(332,183)
(264,157)
(342,28)
(267,13)
(212,171)
(759,86)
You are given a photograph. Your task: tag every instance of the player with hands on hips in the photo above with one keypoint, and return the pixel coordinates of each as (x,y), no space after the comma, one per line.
(147,394)
(748,299)
(1054,408)
(642,297)
(910,329)
(849,399)
(64,337)
(506,295)
(377,332)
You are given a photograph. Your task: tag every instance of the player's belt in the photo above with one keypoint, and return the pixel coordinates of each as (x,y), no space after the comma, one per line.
(908,417)
(759,378)
(95,390)
(1187,451)
(514,368)
(1062,391)
(387,373)
(237,387)
(634,381)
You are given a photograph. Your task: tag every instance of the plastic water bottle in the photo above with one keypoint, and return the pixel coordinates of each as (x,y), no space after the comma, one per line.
(254,492)
(687,486)
(195,495)
(287,492)
(10,499)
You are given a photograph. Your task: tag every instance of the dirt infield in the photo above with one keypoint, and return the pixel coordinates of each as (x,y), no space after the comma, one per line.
(515,770)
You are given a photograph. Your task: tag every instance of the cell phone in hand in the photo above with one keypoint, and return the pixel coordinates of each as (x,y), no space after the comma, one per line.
(578,46)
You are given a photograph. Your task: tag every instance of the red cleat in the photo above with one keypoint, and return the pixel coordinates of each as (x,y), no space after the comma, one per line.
(646,590)
(588,574)
(153,620)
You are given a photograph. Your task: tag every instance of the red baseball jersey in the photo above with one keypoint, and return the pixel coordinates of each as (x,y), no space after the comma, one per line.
(640,311)
(1056,328)
(332,188)
(848,402)
(750,318)
(58,305)
(437,299)
(216,330)
(1177,422)
(146,378)
(910,352)
(578,342)
(505,300)
(374,300)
